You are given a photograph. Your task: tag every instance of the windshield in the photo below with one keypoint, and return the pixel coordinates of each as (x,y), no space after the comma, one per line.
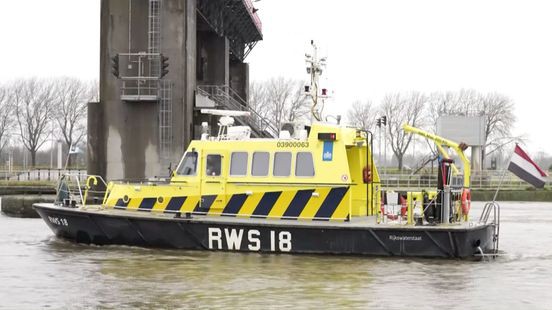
(188,165)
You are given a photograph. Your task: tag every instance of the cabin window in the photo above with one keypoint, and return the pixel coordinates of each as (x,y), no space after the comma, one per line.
(260,164)
(238,164)
(282,164)
(304,165)
(212,167)
(188,165)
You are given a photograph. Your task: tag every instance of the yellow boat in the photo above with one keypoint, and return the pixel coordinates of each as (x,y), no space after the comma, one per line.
(313,189)
(317,192)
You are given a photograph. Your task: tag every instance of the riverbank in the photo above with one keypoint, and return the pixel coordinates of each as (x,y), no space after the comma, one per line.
(513,195)
(22,205)
(27,190)
(18,200)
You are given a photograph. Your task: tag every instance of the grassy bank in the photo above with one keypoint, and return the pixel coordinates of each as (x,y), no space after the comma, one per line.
(513,195)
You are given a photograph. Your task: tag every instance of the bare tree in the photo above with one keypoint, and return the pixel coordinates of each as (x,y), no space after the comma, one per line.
(497,109)
(285,100)
(401,108)
(298,106)
(33,103)
(71,102)
(462,102)
(362,115)
(258,101)
(257,96)
(7,117)
(499,113)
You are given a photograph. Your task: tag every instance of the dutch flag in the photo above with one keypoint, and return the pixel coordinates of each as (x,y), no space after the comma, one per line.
(526,169)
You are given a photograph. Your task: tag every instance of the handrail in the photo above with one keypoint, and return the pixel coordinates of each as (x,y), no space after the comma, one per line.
(91,178)
(456,212)
(479,180)
(484,218)
(77,177)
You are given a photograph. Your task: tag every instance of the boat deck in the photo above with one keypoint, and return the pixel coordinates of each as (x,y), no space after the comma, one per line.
(355,223)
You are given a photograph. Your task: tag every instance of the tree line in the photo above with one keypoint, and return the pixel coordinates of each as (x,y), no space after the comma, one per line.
(422,110)
(279,100)
(33,109)
(283,100)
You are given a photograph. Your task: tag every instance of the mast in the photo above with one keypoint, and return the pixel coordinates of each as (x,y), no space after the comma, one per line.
(314,69)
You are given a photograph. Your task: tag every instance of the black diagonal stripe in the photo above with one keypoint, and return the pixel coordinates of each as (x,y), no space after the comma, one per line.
(204,203)
(266,203)
(234,205)
(298,203)
(331,202)
(147,204)
(175,204)
(120,204)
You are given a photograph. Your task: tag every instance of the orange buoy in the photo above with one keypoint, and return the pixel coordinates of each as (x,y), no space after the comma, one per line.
(403,205)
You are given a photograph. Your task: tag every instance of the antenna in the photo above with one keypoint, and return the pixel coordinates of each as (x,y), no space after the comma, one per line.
(315,67)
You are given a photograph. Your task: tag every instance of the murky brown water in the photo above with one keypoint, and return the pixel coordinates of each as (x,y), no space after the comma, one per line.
(38,270)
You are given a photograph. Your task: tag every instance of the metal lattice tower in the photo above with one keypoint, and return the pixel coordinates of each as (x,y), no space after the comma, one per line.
(154,33)
(164,86)
(165,122)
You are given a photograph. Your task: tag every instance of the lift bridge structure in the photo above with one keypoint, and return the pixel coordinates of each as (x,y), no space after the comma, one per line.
(161,62)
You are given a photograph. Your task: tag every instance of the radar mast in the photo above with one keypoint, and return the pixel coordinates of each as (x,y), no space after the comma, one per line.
(315,68)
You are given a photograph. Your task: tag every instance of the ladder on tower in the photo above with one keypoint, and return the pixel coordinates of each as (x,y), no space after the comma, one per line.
(165,123)
(154,33)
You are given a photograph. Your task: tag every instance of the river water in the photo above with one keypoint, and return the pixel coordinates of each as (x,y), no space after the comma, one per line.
(38,270)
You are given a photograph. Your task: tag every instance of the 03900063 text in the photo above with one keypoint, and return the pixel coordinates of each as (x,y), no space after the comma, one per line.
(231,239)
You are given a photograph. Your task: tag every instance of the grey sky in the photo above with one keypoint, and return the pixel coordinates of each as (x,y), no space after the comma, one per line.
(373,47)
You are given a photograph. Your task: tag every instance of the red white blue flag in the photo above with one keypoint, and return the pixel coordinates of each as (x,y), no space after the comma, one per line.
(526,169)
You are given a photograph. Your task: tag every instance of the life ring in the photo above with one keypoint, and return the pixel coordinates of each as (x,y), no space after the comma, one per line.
(466,201)
(404,207)
(367,174)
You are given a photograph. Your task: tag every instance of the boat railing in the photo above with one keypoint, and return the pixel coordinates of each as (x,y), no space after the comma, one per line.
(492,208)
(150,181)
(395,212)
(76,189)
(480,180)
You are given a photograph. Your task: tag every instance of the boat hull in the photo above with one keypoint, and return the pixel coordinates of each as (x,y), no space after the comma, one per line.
(272,236)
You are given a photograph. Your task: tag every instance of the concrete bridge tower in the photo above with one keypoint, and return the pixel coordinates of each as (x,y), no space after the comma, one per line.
(156,57)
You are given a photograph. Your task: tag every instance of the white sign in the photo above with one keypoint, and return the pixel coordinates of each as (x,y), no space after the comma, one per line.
(467,129)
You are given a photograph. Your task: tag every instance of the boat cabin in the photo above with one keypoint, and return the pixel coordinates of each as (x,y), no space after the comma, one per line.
(324,173)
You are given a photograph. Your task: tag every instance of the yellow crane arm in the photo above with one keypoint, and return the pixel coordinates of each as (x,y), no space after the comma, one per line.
(439,141)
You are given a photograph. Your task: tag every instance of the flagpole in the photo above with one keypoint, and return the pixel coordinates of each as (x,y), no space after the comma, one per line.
(502,177)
